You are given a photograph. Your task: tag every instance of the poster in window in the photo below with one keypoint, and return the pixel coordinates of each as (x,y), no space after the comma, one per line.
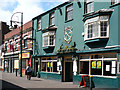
(51,64)
(113,63)
(93,64)
(48,64)
(107,67)
(98,64)
(113,71)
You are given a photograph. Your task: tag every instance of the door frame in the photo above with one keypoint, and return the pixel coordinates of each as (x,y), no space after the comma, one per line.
(66,57)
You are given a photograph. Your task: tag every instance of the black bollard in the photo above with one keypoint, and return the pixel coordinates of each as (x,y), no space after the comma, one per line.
(91,82)
(16,72)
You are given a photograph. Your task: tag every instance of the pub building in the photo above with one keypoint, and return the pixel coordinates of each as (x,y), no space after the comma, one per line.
(78,38)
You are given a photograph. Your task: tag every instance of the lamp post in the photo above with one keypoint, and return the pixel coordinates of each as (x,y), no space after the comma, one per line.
(20,37)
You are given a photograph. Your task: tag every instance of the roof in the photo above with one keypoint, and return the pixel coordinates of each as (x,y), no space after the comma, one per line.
(52,9)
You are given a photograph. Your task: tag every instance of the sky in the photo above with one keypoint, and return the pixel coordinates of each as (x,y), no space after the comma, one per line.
(30,9)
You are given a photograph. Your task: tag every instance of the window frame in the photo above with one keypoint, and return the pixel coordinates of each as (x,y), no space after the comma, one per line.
(86,3)
(102,59)
(6,46)
(47,34)
(114,2)
(39,24)
(98,20)
(11,46)
(52,18)
(69,11)
(46,60)
(16,44)
(25,41)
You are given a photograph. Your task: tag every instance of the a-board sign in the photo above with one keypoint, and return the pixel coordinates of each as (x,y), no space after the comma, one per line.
(85,81)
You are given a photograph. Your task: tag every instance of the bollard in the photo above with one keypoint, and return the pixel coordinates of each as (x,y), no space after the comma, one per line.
(91,82)
(16,72)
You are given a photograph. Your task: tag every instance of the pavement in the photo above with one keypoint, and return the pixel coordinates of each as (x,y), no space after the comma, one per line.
(10,81)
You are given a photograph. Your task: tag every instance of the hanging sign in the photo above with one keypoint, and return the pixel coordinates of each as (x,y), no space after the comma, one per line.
(98,64)
(93,64)
(24,55)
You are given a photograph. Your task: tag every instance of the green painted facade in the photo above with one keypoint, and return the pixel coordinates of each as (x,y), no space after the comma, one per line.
(83,47)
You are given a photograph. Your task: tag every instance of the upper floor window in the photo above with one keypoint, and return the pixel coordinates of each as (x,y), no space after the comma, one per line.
(97,27)
(69,12)
(16,44)
(5,46)
(39,24)
(89,6)
(25,41)
(11,46)
(115,1)
(49,38)
(52,19)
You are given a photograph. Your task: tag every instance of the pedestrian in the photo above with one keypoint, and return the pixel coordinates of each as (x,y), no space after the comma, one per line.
(28,71)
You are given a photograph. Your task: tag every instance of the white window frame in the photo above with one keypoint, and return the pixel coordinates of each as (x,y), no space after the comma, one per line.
(99,59)
(92,21)
(16,44)
(48,34)
(115,1)
(69,9)
(52,18)
(25,37)
(11,44)
(88,2)
(46,60)
(39,24)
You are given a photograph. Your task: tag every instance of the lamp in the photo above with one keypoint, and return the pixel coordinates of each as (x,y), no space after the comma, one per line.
(11,27)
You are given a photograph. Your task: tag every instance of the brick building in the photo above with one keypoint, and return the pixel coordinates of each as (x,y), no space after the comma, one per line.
(12,48)
(4,28)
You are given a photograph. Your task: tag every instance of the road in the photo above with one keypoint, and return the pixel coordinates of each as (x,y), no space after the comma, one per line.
(10,81)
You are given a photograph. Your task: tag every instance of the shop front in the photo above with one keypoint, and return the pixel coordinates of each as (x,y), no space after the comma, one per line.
(102,66)
(9,62)
(26,59)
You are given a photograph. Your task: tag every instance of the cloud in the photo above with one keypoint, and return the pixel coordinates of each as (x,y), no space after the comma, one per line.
(30,9)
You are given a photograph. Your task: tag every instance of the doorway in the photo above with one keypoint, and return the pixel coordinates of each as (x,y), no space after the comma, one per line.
(68,70)
(36,67)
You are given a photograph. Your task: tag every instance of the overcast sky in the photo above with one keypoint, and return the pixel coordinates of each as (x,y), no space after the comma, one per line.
(30,8)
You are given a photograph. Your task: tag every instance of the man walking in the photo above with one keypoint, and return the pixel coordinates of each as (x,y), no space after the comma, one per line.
(29,71)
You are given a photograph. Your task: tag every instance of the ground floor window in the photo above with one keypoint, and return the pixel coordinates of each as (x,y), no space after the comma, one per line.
(103,64)
(23,64)
(49,65)
(96,68)
(84,67)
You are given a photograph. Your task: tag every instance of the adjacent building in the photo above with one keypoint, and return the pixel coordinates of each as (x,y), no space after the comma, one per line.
(79,38)
(4,29)
(12,48)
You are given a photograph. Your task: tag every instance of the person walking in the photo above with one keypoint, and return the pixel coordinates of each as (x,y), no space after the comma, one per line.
(29,71)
